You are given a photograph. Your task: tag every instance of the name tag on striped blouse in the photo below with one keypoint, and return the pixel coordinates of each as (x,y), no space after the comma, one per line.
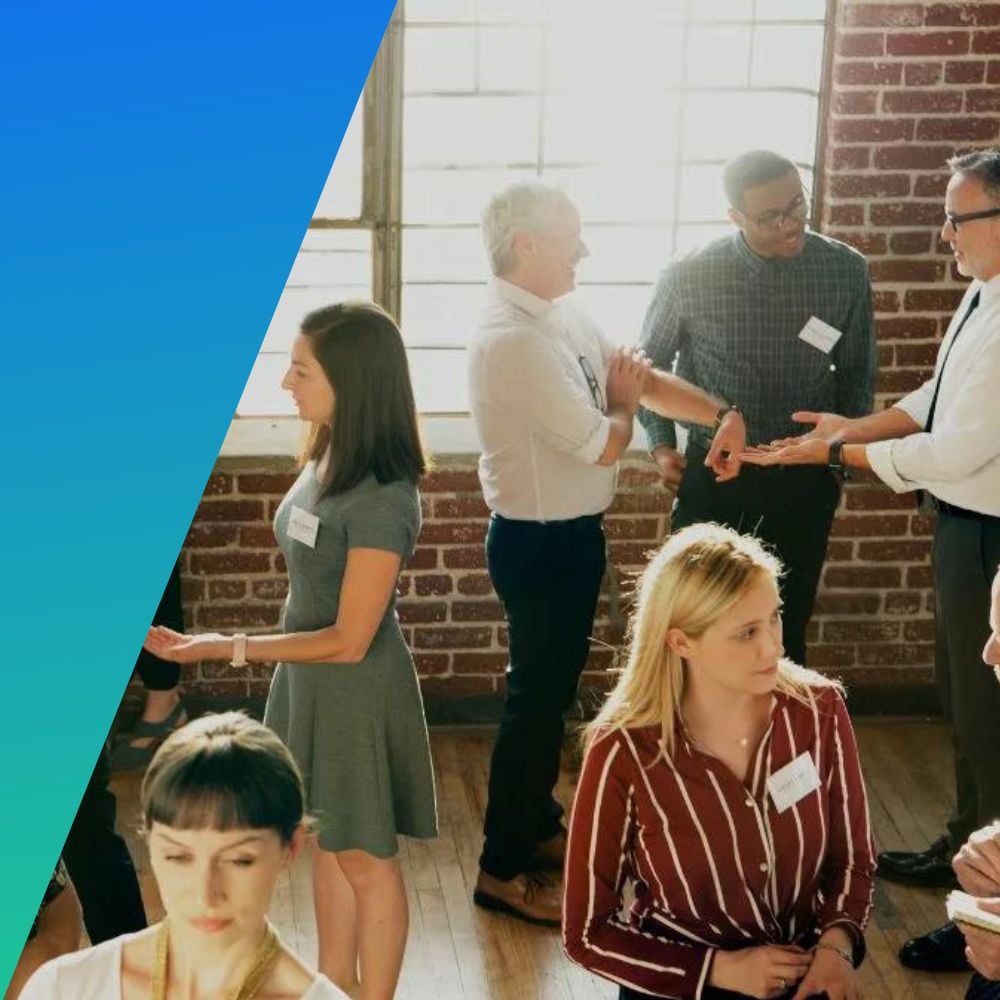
(793,782)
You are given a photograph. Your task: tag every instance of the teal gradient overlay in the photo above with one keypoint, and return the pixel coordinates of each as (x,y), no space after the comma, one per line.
(160,166)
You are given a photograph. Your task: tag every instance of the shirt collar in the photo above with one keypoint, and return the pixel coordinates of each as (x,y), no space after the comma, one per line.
(507,291)
(989,291)
(752,260)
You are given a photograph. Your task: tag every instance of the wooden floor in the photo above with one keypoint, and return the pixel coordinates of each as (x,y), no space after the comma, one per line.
(458,951)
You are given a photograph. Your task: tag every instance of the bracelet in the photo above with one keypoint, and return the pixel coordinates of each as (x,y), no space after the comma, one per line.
(842,952)
(239,650)
(724,411)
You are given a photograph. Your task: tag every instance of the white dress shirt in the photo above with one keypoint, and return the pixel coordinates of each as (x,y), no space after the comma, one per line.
(541,425)
(959,460)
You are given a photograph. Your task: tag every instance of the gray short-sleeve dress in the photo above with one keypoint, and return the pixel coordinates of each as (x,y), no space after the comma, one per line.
(357,730)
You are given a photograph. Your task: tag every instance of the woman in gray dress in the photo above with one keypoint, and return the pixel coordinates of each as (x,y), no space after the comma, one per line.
(345,697)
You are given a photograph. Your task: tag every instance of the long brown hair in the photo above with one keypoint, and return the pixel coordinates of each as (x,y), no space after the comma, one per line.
(374,425)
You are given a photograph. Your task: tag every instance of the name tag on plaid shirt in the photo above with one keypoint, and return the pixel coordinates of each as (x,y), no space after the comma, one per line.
(820,335)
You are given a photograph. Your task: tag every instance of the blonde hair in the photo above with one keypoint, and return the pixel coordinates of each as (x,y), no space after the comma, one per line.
(695,578)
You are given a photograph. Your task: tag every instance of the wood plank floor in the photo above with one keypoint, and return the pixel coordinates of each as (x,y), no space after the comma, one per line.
(458,952)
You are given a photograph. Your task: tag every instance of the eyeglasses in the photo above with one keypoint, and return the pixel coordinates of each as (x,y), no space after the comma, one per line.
(957,220)
(795,211)
(596,393)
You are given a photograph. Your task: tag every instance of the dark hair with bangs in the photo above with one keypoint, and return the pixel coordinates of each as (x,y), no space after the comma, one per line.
(224,772)
(750,169)
(374,427)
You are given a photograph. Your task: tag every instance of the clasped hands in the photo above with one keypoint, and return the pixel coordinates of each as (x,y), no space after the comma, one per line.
(770,971)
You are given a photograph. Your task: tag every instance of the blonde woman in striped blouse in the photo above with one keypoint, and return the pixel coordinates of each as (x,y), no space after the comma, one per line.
(719,844)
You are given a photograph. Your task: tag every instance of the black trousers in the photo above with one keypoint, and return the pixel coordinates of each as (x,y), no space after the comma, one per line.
(100,865)
(157,674)
(966,556)
(789,508)
(548,576)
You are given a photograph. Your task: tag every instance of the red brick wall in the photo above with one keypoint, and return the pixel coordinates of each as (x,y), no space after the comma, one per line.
(911,84)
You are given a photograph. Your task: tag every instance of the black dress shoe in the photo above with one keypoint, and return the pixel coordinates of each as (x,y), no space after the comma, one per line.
(893,861)
(930,868)
(940,950)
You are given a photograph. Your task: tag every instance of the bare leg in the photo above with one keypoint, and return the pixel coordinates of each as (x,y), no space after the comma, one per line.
(336,921)
(382,920)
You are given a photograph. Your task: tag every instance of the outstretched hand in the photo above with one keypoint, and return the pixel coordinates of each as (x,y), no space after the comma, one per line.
(830,976)
(626,381)
(826,427)
(801,451)
(982,948)
(180,648)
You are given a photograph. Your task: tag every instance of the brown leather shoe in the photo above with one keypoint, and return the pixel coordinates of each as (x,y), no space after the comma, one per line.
(550,853)
(530,896)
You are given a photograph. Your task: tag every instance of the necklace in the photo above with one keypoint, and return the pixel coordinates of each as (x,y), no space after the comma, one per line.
(264,960)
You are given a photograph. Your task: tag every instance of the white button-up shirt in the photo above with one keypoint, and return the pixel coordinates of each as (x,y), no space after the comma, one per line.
(959,460)
(537,378)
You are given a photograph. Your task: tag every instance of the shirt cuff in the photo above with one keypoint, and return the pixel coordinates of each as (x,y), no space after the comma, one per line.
(879,457)
(592,449)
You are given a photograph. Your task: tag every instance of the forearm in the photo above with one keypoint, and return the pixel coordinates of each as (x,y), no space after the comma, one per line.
(619,435)
(327,645)
(672,397)
(889,423)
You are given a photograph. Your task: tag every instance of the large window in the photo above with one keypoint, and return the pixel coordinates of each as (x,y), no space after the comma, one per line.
(631,107)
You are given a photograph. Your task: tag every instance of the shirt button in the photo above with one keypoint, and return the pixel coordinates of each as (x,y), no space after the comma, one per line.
(763,866)
(749,802)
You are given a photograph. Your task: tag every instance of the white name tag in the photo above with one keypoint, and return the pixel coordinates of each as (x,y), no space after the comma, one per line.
(820,335)
(303,526)
(793,782)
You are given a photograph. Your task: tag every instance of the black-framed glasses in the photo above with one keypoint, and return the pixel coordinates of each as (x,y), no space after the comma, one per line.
(596,392)
(957,220)
(795,211)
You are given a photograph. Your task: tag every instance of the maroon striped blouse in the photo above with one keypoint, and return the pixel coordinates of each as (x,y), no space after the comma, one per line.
(711,861)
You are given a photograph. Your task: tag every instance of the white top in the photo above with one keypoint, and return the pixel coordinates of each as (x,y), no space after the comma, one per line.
(96,974)
(959,460)
(540,427)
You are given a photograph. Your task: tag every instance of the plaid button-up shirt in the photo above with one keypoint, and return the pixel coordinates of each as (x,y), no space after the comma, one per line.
(732,319)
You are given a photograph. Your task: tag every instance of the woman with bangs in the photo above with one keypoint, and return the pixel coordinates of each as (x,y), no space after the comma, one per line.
(222,803)
(719,845)
(344,697)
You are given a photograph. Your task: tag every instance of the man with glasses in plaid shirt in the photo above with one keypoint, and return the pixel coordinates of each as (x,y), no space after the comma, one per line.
(775,320)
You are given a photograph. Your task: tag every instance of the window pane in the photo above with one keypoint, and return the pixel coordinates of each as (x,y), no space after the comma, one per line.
(440,10)
(639,193)
(788,56)
(617,310)
(510,58)
(718,57)
(445,196)
(444,255)
(441,314)
(720,126)
(723,10)
(791,10)
(439,380)
(702,196)
(341,195)
(625,253)
(439,60)
(470,131)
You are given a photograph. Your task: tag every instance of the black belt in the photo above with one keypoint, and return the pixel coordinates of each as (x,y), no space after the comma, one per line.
(943,507)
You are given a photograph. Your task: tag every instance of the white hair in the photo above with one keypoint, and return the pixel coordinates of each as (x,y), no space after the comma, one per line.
(517,208)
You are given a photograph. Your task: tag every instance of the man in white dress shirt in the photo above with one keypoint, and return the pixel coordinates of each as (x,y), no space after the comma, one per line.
(944,439)
(554,404)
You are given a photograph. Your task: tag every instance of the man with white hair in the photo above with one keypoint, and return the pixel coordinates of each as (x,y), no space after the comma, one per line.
(554,404)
